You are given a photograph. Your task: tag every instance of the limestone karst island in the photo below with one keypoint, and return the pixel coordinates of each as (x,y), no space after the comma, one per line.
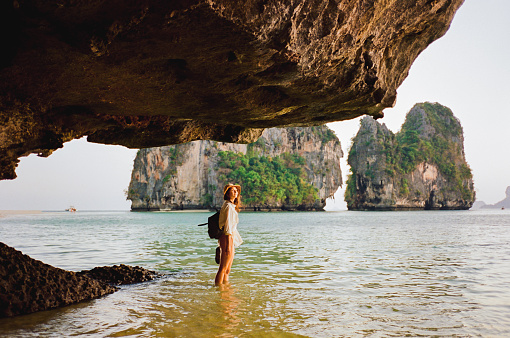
(421,167)
(286,169)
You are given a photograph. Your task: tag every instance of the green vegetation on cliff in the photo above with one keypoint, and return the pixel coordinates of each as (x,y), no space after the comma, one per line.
(326,135)
(350,190)
(265,180)
(442,148)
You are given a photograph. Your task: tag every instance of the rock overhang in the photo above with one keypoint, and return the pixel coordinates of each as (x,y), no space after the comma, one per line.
(147,73)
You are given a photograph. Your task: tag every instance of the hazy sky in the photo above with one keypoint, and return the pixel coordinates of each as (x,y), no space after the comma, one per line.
(466,70)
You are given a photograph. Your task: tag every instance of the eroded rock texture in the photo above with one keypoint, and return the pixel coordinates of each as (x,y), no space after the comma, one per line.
(120,274)
(145,73)
(28,285)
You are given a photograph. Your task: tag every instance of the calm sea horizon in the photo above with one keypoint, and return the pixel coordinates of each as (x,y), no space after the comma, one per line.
(311,274)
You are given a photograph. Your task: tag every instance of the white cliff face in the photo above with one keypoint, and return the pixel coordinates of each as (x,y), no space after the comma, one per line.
(187,176)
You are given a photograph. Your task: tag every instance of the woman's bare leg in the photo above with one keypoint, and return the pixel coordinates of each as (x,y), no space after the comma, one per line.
(229,265)
(226,257)
(220,275)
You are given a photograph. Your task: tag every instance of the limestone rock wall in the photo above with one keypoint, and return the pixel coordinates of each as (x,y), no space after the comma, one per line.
(421,167)
(152,73)
(185,176)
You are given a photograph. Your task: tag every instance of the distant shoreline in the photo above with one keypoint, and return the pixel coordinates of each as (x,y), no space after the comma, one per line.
(4,213)
(182,211)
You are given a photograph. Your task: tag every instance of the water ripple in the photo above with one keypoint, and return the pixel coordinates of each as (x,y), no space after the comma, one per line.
(348,274)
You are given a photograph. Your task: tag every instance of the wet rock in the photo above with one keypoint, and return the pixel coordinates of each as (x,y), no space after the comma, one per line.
(28,285)
(120,274)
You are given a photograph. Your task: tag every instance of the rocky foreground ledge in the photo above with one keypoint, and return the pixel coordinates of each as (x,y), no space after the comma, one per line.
(28,285)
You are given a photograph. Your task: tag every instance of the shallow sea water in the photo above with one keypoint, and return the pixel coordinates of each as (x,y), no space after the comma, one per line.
(322,274)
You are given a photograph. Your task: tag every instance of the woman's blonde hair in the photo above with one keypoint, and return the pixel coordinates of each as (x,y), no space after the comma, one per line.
(237,200)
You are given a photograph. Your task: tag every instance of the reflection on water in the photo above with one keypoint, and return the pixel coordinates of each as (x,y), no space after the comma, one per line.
(229,304)
(297,274)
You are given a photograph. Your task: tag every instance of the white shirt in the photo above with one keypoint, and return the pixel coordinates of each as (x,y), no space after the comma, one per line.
(228,222)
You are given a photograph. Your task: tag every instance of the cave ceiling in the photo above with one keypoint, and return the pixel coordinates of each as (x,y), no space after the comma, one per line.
(142,73)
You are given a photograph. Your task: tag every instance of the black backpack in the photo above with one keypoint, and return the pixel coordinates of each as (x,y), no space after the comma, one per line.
(213,226)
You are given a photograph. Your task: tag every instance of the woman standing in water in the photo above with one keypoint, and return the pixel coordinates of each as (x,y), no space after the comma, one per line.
(230,238)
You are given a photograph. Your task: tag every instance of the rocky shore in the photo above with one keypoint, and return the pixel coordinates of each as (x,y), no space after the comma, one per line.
(28,285)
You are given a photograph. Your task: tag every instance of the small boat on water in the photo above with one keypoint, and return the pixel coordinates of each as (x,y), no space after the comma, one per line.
(71,209)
